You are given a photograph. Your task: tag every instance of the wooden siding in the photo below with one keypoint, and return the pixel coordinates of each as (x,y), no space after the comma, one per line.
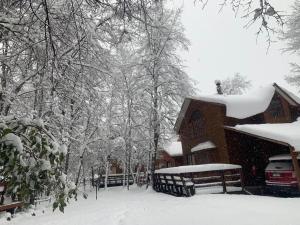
(284,117)
(232,147)
(213,119)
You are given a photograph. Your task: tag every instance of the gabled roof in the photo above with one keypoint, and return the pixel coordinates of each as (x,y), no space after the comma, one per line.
(241,106)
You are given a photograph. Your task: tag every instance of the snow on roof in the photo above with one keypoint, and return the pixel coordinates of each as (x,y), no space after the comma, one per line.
(198,168)
(282,157)
(203,146)
(243,106)
(174,148)
(292,95)
(288,133)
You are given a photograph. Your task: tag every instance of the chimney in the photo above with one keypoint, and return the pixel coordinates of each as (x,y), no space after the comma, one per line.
(219,88)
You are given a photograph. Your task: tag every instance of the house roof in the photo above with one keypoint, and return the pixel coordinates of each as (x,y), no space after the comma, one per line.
(283,133)
(241,106)
(282,157)
(203,146)
(173,148)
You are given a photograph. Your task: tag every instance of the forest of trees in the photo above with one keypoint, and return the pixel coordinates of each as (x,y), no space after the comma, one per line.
(87,83)
(84,84)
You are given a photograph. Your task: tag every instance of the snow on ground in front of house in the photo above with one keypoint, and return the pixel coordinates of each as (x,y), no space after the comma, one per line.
(117,206)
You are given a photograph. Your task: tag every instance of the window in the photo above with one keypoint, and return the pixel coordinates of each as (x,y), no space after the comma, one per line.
(197,124)
(190,159)
(276,107)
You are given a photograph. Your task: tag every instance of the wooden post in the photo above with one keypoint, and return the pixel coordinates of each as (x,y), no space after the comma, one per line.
(223,181)
(294,155)
(93,183)
(242,179)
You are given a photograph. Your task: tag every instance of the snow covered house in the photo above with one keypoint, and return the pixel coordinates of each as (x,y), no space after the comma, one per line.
(240,129)
(170,155)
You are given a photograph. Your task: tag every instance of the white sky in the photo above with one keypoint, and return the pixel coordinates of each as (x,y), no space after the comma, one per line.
(221,46)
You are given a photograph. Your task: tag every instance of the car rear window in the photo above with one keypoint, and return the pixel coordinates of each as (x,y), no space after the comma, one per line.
(280,165)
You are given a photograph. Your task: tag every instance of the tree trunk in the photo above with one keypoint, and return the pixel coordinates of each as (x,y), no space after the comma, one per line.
(106,173)
(156,125)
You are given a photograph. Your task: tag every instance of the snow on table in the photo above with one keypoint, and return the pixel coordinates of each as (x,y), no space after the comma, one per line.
(198,168)
(117,206)
(288,133)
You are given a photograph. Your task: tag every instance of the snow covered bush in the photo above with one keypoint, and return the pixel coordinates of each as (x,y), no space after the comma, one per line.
(31,162)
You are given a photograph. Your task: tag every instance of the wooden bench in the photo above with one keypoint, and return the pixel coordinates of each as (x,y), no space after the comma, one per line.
(8,207)
(173,184)
(11,207)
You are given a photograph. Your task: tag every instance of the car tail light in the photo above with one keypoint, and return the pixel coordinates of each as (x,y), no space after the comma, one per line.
(268,175)
(288,174)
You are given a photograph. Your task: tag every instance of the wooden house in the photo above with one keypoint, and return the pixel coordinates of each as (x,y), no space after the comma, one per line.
(170,155)
(206,126)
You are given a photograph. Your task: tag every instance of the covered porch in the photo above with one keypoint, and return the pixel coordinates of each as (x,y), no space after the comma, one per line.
(252,145)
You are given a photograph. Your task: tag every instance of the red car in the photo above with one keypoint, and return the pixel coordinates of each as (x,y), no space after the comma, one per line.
(280,175)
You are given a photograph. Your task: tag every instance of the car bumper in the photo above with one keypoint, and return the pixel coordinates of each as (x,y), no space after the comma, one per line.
(283,189)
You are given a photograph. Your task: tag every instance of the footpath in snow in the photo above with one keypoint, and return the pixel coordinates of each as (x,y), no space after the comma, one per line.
(117,206)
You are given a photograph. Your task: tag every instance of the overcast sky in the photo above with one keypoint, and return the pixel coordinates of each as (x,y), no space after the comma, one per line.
(221,47)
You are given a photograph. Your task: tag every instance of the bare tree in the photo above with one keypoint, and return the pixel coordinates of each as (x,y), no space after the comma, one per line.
(261,12)
(291,36)
(235,85)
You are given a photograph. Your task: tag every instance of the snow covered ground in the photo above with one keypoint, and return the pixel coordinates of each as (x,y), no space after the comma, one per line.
(138,206)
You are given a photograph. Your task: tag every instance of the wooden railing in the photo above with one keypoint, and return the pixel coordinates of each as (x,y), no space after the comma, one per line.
(202,179)
(112,180)
(173,184)
(228,180)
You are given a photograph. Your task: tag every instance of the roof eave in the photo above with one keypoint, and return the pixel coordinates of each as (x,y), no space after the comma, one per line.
(285,95)
(257,136)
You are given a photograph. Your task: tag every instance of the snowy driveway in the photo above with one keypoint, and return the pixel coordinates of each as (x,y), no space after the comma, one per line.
(139,207)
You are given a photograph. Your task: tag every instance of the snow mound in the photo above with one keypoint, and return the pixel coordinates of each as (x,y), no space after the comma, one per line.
(288,133)
(198,168)
(243,106)
(14,140)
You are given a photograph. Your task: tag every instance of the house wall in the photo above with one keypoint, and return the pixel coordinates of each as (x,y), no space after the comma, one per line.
(213,120)
(205,156)
(282,116)
(178,160)
(164,160)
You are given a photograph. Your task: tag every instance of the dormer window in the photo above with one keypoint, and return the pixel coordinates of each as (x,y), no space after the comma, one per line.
(276,107)
(197,124)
